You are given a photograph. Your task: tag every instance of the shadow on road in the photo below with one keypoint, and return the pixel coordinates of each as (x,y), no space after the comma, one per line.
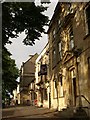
(9,113)
(16,118)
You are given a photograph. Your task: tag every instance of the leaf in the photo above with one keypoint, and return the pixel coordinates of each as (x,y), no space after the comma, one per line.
(23,16)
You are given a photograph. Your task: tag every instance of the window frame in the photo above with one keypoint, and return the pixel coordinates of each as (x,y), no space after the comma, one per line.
(55,89)
(87,27)
(53,58)
(71,38)
(88,62)
(60,49)
(54,33)
(45,94)
(61,91)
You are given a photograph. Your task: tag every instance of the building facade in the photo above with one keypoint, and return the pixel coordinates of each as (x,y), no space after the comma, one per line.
(32,92)
(42,78)
(27,76)
(16,95)
(69,55)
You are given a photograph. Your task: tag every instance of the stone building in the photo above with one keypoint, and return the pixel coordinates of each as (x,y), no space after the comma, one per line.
(69,55)
(32,92)
(16,95)
(27,75)
(42,78)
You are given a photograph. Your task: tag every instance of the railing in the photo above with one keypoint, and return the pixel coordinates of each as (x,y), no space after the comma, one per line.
(88,108)
(85,99)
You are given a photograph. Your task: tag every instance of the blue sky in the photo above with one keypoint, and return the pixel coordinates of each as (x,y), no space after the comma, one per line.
(20,52)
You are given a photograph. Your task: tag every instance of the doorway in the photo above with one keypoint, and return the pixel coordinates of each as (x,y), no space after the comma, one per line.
(73,87)
(41,97)
(74,91)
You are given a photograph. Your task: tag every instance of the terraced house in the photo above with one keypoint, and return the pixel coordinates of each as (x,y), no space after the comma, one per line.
(69,55)
(42,78)
(27,79)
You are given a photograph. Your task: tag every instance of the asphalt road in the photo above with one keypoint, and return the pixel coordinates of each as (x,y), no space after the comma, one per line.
(26,112)
(32,112)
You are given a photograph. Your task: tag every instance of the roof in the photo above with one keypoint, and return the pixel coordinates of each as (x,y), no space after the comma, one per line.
(42,52)
(54,15)
(31,57)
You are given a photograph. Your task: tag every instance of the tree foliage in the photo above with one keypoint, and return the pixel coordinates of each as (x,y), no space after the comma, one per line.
(9,73)
(23,16)
(18,17)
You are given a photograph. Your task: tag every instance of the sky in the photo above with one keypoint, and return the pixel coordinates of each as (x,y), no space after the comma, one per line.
(21,52)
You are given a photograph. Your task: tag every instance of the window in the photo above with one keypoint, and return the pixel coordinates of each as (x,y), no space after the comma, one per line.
(59,22)
(70,8)
(71,40)
(55,89)
(60,86)
(54,58)
(88,68)
(88,20)
(43,69)
(55,84)
(45,78)
(61,81)
(35,95)
(89,60)
(45,94)
(53,33)
(60,49)
(73,74)
(54,54)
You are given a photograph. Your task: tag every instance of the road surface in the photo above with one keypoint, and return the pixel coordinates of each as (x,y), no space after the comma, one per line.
(26,112)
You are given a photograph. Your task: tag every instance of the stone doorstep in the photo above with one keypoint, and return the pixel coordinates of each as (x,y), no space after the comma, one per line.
(72,113)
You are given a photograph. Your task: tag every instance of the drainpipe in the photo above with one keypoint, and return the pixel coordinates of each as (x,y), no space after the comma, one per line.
(57,91)
(57,97)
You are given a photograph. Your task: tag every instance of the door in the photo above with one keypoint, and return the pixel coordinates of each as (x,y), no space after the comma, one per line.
(73,87)
(74,91)
(49,100)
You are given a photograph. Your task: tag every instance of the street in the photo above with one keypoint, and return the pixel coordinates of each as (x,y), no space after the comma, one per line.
(26,112)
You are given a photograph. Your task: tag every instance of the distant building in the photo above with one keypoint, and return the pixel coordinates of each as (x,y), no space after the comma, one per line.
(27,75)
(42,78)
(32,92)
(16,96)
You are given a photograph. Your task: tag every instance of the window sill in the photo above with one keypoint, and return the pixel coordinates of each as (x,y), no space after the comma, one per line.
(54,97)
(61,96)
(87,36)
